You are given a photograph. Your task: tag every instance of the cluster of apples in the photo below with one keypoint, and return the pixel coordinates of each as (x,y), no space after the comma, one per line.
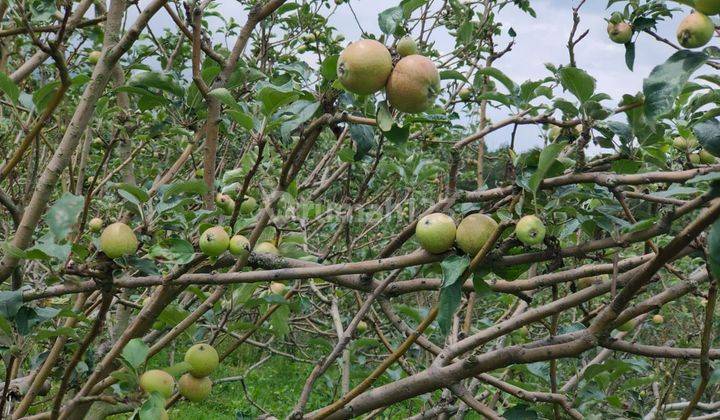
(437,232)
(195,385)
(694,31)
(412,84)
(691,147)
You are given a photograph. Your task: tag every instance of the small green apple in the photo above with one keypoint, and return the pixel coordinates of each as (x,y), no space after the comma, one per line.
(266,248)
(214,241)
(620,33)
(435,232)
(239,246)
(117,240)
(406,46)
(156,380)
(193,388)
(695,30)
(530,230)
(473,231)
(202,359)
(95,224)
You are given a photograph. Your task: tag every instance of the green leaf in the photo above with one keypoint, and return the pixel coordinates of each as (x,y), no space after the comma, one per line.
(390,19)
(630,55)
(449,301)
(666,81)
(279,321)
(450,289)
(157,80)
(63,214)
(481,288)
(135,352)
(452,75)
(364,139)
(545,162)
(302,111)
(9,87)
(708,134)
(139,193)
(384,117)
(577,82)
(196,186)
(10,303)
(225,97)
(273,97)
(500,77)
(398,134)
(328,68)
(714,250)
(152,408)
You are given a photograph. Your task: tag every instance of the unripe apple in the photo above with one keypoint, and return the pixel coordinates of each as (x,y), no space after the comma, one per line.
(414,84)
(590,281)
(194,389)
(695,158)
(406,46)
(658,319)
(620,33)
(435,232)
(277,288)
(465,93)
(339,2)
(94,57)
(530,230)
(362,326)
(473,231)
(199,173)
(695,30)
(156,380)
(364,66)
(239,246)
(202,359)
(708,7)
(266,248)
(95,224)
(214,241)
(628,326)
(248,206)
(706,157)
(117,240)
(225,203)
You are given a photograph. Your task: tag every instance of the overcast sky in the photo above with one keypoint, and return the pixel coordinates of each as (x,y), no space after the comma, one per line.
(539,40)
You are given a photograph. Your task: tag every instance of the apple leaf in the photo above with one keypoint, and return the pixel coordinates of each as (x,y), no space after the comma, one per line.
(389,20)
(63,214)
(577,82)
(708,134)
(545,162)
(666,81)
(9,87)
(450,289)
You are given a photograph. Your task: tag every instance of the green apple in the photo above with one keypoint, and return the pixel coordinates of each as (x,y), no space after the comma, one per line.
(156,380)
(94,57)
(95,224)
(214,241)
(530,230)
(193,388)
(620,33)
(277,288)
(706,157)
(406,46)
(362,326)
(695,30)
(248,206)
(708,7)
(225,203)
(239,246)
(202,359)
(266,248)
(364,66)
(435,232)
(473,231)
(117,240)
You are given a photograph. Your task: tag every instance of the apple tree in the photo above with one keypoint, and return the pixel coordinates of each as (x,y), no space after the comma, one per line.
(188,199)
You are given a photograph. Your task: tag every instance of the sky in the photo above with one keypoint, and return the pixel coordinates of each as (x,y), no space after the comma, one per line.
(539,40)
